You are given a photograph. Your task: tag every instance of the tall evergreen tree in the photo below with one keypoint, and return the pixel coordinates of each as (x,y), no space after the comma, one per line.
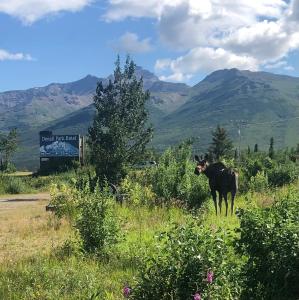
(256,148)
(271,148)
(8,146)
(120,130)
(221,144)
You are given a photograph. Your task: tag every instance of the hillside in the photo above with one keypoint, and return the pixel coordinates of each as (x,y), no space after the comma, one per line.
(67,108)
(41,105)
(38,106)
(261,104)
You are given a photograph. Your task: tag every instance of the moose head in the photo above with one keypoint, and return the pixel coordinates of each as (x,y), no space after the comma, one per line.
(201,165)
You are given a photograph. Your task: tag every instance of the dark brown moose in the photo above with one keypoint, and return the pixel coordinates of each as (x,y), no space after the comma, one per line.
(221,179)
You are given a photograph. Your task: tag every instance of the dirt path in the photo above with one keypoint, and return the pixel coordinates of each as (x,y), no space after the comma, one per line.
(26,228)
(16,201)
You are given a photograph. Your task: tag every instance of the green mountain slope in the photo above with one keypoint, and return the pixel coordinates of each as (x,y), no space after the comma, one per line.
(260,104)
(55,108)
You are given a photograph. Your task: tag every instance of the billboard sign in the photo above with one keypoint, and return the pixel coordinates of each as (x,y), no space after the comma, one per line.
(59,145)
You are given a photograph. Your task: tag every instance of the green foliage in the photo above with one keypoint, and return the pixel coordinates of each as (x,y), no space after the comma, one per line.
(120,132)
(269,238)
(52,278)
(13,185)
(66,201)
(271,148)
(92,212)
(8,146)
(137,194)
(97,222)
(221,144)
(179,269)
(174,177)
(279,171)
(259,182)
(282,174)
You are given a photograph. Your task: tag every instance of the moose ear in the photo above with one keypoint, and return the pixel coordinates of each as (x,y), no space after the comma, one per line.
(197,158)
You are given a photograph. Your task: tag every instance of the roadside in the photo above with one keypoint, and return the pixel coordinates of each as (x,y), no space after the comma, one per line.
(26,229)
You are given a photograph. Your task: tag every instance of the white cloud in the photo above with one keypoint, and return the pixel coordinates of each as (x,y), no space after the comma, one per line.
(130,43)
(277,65)
(294,10)
(266,41)
(30,11)
(217,33)
(121,9)
(280,65)
(205,59)
(5,55)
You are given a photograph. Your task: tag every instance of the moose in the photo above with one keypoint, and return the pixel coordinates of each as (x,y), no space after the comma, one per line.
(221,179)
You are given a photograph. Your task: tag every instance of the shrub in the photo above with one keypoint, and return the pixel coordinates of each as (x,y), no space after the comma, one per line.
(66,201)
(92,212)
(270,240)
(12,185)
(136,194)
(97,222)
(252,166)
(282,174)
(174,177)
(259,182)
(180,268)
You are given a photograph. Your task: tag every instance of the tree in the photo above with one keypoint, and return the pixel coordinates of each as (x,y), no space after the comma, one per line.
(221,144)
(8,146)
(120,130)
(248,150)
(271,148)
(256,148)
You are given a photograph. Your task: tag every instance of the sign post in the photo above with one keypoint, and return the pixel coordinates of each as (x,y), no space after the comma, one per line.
(59,150)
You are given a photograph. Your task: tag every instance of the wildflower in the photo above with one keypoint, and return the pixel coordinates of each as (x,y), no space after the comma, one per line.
(197,296)
(210,276)
(126,291)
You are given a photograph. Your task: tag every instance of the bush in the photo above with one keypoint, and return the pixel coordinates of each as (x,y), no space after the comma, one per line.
(282,174)
(270,240)
(180,268)
(66,201)
(13,185)
(136,194)
(92,212)
(259,183)
(97,223)
(174,177)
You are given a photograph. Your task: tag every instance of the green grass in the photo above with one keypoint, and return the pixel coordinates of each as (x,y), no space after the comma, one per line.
(24,183)
(57,276)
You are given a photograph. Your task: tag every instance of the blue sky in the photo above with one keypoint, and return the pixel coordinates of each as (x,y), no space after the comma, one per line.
(44,41)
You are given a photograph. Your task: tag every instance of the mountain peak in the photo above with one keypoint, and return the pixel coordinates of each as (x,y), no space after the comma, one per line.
(225,74)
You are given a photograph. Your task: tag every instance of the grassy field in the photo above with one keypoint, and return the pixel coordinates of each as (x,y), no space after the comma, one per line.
(35,262)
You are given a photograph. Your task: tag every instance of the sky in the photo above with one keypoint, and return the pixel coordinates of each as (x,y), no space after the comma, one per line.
(45,41)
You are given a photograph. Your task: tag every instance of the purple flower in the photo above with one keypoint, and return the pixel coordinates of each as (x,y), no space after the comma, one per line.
(210,276)
(197,296)
(126,291)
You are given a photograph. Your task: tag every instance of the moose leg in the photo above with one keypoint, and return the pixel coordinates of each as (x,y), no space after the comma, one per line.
(220,202)
(226,204)
(214,199)
(232,203)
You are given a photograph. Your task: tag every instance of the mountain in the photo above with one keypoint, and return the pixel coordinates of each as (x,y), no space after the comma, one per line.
(37,106)
(41,105)
(68,107)
(259,105)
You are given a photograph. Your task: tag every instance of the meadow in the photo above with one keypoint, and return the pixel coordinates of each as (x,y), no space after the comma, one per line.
(168,238)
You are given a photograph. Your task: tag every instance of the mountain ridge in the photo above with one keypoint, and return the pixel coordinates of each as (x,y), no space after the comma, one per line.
(232,98)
